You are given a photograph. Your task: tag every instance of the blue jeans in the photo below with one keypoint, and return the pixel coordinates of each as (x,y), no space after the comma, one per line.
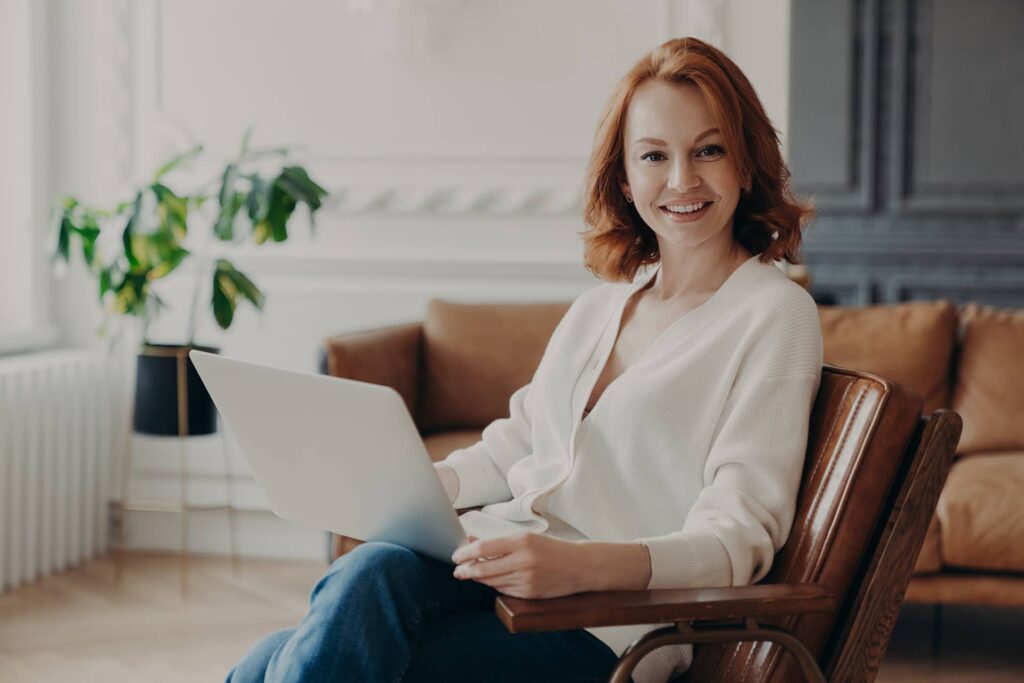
(386,613)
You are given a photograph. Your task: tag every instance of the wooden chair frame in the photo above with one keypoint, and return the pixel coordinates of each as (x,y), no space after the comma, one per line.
(716,615)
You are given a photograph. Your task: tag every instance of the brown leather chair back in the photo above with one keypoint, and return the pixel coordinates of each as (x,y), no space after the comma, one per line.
(861,426)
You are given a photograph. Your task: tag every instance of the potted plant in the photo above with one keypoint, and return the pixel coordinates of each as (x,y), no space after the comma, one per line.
(133,246)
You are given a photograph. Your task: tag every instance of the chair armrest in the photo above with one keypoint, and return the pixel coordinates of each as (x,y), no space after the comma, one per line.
(618,608)
(388,356)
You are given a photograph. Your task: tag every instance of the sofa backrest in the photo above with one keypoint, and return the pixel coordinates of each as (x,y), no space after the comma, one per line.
(911,343)
(476,355)
(989,385)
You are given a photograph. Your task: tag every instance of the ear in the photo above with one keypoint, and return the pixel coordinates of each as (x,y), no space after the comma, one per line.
(626,192)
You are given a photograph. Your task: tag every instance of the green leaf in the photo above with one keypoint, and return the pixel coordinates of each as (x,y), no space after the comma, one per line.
(64,229)
(275,225)
(296,182)
(228,284)
(168,264)
(224,228)
(223,299)
(172,211)
(129,231)
(258,200)
(187,155)
(131,294)
(81,222)
(243,284)
(106,282)
(88,234)
(227,183)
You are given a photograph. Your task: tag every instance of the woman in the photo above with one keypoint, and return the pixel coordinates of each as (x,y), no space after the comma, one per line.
(661,440)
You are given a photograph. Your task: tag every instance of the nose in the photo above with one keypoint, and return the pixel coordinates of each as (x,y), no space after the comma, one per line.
(683,176)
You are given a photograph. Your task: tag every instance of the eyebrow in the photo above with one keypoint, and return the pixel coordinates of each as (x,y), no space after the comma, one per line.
(656,141)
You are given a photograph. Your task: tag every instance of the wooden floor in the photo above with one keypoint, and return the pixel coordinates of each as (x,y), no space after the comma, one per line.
(78,626)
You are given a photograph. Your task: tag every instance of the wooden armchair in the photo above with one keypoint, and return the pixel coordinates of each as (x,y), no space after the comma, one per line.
(872,477)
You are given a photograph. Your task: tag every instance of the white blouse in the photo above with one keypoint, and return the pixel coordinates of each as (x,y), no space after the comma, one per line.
(696,449)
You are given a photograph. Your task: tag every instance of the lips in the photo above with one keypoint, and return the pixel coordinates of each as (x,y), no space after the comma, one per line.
(683,216)
(685,203)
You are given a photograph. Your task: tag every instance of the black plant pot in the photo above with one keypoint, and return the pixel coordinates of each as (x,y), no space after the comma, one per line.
(156,393)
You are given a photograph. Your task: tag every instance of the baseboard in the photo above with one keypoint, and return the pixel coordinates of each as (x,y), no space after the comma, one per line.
(258,533)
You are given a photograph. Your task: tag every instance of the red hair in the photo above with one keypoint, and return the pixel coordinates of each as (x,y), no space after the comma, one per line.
(768,218)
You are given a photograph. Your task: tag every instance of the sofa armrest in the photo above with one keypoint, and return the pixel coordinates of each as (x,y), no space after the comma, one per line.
(388,356)
(618,608)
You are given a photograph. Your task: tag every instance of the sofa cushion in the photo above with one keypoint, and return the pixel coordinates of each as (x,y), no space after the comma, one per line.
(439,445)
(910,343)
(476,356)
(989,392)
(980,514)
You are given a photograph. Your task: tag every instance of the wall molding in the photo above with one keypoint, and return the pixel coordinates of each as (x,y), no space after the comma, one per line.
(454,199)
(391,184)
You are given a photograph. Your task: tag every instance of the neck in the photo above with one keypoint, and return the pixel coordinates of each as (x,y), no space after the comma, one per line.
(697,271)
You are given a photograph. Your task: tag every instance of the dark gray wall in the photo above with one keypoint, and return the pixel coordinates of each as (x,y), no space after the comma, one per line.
(907,130)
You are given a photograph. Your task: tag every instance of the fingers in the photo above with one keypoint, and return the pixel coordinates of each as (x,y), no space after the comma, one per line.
(470,540)
(488,569)
(478,550)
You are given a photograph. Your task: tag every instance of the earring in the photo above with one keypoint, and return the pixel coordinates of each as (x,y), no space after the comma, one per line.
(629,199)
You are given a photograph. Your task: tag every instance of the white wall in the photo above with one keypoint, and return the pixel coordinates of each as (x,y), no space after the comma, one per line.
(453,135)
(758,41)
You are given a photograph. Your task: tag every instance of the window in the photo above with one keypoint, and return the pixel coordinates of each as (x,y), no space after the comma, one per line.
(24,310)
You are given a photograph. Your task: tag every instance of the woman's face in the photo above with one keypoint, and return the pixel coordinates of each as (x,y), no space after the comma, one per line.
(677,168)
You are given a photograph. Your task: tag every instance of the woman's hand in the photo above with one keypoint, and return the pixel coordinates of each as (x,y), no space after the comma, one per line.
(523,565)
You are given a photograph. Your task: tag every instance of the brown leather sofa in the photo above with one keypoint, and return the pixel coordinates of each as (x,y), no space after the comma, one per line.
(972,360)
(457,369)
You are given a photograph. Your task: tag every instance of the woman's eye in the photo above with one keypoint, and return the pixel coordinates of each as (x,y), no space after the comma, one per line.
(710,151)
(648,155)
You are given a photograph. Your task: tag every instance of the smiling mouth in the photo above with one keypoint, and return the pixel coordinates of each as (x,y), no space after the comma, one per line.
(686,212)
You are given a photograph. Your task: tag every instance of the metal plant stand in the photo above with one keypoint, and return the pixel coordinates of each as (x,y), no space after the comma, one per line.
(181,506)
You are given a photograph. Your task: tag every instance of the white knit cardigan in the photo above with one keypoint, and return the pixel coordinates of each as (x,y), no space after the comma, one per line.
(696,449)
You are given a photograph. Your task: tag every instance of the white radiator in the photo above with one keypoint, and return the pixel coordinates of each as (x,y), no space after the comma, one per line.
(56,459)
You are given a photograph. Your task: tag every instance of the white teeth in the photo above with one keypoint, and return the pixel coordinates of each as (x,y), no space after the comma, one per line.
(685,208)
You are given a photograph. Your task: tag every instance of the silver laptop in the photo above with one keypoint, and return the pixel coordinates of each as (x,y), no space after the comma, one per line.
(335,454)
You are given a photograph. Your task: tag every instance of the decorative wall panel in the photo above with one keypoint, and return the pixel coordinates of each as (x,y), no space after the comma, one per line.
(931,103)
